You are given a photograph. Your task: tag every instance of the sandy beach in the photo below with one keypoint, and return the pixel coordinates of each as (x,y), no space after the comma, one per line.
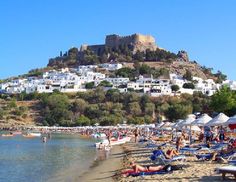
(106,170)
(193,169)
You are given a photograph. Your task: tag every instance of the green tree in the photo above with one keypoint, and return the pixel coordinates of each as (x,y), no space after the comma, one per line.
(149,109)
(174,88)
(178,111)
(188,75)
(143,101)
(105,83)
(224,101)
(89,85)
(134,108)
(113,95)
(82,121)
(56,109)
(188,85)
(144,69)
(79,106)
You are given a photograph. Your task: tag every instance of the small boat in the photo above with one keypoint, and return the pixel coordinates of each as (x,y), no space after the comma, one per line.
(35,134)
(28,136)
(105,142)
(17,133)
(32,135)
(7,135)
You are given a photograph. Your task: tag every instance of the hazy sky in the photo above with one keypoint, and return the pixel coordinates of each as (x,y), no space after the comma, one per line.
(33,31)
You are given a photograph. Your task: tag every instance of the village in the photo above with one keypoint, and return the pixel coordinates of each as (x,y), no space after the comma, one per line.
(68,80)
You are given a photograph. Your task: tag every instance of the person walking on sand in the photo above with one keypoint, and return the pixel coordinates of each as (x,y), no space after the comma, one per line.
(136,134)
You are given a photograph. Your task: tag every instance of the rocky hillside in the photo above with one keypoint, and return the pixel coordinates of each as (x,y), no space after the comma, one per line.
(19,113)
(121,49)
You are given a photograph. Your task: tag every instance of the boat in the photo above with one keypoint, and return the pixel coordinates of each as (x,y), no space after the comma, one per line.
(17,133)
(99,135)
(32,135)
(7,135)
(105,142)
(35,134)
(28,136)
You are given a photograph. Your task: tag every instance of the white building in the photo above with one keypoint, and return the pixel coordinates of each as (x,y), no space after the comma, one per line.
(111,66)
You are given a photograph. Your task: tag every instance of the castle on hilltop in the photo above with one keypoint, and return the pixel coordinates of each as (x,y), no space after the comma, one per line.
(135,42)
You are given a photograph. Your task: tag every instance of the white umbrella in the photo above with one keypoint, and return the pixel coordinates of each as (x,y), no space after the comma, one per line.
(178,123)
(202,120)
(188,121)
(194,128)
(219,120)
(231,120)
(167,126)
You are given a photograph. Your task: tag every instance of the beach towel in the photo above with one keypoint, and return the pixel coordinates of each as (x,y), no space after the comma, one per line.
(167,169)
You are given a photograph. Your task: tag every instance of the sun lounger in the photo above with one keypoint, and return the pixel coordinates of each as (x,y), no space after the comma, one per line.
(153,145)
(159,157)
(227,169)
(208,156)
(189,150)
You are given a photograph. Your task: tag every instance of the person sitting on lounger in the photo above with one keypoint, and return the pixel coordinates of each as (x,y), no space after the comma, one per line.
(136,168)
(220,155)
(170,153)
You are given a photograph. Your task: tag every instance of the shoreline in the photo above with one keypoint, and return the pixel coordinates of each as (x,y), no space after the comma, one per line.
(105,170)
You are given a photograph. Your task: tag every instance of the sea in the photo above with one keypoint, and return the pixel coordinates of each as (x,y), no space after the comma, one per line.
(64,157)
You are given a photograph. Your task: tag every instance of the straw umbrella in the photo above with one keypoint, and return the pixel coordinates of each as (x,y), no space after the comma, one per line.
(219,120)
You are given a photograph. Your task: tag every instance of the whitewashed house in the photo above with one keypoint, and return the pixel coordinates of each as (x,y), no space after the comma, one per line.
(111,66)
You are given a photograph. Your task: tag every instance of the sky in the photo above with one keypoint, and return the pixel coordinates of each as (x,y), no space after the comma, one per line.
(31,32)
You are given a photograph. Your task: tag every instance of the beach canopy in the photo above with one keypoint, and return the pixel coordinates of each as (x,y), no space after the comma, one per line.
(178,123)
(219,120)
(188,121)
(194,128)
(231,122)
(167,126)
(202,120)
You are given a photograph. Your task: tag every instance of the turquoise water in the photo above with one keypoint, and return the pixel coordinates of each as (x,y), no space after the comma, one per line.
(62,158)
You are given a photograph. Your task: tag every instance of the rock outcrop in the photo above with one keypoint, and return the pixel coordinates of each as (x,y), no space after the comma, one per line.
(183,56)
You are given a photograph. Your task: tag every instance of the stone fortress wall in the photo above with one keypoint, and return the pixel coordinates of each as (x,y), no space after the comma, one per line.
(135,42)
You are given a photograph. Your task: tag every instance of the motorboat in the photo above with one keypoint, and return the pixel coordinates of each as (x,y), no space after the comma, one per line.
(32,135)
(114,141)
(7,135)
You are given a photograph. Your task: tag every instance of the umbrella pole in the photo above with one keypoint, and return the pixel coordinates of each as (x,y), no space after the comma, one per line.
(190,136)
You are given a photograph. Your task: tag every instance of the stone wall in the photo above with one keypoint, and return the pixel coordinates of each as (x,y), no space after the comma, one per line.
(134,42)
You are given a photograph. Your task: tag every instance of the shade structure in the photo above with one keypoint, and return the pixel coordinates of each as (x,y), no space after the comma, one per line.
(219,120)
(167,126)
(194,128)
(231,123)
(202,120)
(178,123)
(188,121)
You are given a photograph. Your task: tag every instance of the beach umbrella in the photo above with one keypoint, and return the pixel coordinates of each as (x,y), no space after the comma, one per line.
(167,126)
(202,120)
(188,121)
(194,128)
(231,122)
(219,120)
(178,123)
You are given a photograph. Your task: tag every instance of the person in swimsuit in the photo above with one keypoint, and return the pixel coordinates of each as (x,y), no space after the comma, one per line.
(136,168)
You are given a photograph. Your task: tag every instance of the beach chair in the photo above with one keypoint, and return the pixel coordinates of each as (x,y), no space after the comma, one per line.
(189,150)
(159,157)
(154,145)
(227,169)
(208,156)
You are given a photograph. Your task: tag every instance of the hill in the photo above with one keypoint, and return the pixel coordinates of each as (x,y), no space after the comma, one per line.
(132,49)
